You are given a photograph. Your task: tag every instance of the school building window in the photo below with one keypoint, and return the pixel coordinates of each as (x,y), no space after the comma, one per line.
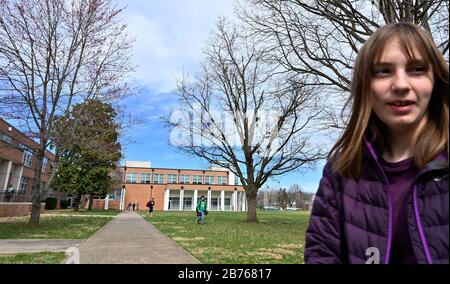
(116,194)
(158,178)
(145,178)
(209,180)
(222,180)
(215,203)
(236,180)
(173,178)
(174,203)
(187,203)
(185,179)
(131,178)
(5,138)
(44,164)
(227,202)
(27,158)
(23,184)
(197,180)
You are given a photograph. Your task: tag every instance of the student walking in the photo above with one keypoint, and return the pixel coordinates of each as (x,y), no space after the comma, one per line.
(201,210)
(150,204)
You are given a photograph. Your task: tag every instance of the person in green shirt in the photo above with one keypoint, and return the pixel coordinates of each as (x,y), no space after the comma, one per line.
(201,208)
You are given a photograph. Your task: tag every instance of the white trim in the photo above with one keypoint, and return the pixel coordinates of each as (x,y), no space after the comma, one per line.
(8,171)
(106,202)
(181,206)
(194,200)
(16,175)
(166,199)
(122,199)
(208,200)
(222,200)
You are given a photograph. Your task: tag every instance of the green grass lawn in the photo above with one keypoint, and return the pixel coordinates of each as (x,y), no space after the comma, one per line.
(33,258)
(226,237)
(52,227)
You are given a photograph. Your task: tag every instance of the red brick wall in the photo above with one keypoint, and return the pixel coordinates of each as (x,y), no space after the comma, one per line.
(114,204)
(12,209)
(100,204)
(140,193)
(12,153)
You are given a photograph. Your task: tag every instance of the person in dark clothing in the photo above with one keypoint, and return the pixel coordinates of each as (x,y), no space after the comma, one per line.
(9,193)
(134,205)
(150,204)
(384,194)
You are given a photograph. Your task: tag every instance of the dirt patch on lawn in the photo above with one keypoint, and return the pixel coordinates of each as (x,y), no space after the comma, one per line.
(212,250)
(278,252)
(265,254)
(181,239)
(290,246)
(13,219)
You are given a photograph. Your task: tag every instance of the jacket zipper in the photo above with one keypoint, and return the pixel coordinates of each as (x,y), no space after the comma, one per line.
(420,227)
(419,222)
(416,212)
(380,169)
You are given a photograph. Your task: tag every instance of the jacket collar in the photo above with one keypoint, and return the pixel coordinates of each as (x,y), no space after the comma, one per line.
(438,163)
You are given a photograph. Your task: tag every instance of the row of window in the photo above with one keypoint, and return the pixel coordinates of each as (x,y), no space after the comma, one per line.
(174,203)
(173,178)
(27,158)
(22,186)
(24,182)
(5,138)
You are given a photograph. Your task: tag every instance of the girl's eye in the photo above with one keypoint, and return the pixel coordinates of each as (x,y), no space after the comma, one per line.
(419,69)
(381,71)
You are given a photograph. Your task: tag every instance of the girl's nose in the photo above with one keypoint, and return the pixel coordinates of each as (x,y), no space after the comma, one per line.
(401,82)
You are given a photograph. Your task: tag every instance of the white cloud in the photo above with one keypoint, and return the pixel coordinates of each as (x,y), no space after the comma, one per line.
(170,36)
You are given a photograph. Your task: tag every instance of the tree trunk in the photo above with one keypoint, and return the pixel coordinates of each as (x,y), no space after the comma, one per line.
(251,193)
(36,191)
(91,200)
(77,206)
(36,205)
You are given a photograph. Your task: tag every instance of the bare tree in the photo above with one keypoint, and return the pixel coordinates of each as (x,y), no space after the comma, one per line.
(245,115)
(297,194)
(320,38)
(54,54)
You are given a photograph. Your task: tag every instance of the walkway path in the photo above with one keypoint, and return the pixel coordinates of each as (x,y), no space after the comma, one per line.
(13,246)
(129,238)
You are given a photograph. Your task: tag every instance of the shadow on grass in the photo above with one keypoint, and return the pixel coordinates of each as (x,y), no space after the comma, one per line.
(226,237)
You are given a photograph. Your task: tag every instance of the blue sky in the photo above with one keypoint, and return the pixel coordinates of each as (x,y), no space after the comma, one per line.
(169,37)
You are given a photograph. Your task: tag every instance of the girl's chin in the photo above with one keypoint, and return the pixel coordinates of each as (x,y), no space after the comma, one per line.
(403,125)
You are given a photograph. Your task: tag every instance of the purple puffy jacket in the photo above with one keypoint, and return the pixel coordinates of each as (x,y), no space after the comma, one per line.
(349,216)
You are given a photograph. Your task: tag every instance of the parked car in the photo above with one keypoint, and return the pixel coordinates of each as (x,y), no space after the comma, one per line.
(270,208)
(291,208)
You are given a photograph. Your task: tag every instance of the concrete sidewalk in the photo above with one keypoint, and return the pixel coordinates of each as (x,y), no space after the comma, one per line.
(13,246)
(129,238)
